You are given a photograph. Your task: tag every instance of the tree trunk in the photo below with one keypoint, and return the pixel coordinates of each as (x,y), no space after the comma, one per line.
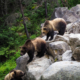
(46,8)
(26,31)
(5,7)
(2,10)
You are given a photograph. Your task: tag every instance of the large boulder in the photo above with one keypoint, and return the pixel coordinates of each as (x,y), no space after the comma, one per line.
(37,67)
(73,27)
(69,28)
(74,41)
(62,38)
(72,35)
(67,56)
(63,70)
(76,54)
(21,63)
(56,49)
(76,9)
(58,12)
(69,15)
(22,60)
(63,12)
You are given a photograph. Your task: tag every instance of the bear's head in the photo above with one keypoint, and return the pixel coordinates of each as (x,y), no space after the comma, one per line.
(25,47)
(18,73)
(46,28)
(14,75)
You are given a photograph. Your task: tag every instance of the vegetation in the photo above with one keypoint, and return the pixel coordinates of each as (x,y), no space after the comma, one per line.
(12,35)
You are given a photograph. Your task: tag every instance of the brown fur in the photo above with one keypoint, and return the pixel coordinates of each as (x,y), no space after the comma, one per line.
(14,74)
(50,26)
(37,44)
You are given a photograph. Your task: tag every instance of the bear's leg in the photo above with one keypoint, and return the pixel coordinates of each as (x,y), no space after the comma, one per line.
(13,79)
(40,54)
(47,37)
(31,55)
(61,32)
(52,35)
(43,49)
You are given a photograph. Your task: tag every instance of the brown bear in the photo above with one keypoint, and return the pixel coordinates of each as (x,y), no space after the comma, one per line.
(14,75)
(30,46)
(58,24)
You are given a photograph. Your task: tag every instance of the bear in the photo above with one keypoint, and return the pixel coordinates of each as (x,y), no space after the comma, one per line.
(14,75)
(57,24)
(30,46)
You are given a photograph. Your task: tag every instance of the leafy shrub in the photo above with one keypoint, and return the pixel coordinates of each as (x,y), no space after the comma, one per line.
(69,3)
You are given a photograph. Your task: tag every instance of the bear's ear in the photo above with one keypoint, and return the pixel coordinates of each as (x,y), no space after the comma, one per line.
(14,72)
(28,41)
(46,23)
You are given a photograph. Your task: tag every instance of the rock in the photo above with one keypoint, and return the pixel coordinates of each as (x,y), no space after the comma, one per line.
(67,56)
(70,16)
(22,61)
(69,28)
(37,67)
(76,54)
(56,49)
(76,9)
(63,12)
(72,35)
(74,27)
(74,41)
(63,70)
(62,38)
(58,12)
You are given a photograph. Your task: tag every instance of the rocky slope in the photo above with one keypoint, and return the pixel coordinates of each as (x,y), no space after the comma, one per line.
(64,52)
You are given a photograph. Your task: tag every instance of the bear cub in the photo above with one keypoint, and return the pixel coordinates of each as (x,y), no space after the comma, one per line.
(30,46)
(58,24)
(14,75)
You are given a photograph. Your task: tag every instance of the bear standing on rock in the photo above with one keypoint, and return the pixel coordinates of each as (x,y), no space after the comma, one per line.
(58,24)
(30,46)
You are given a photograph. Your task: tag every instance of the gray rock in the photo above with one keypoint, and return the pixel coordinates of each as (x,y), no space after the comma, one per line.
(56,49)
(63,12)
(69,28)
(74,27)
(72,35)
(67,56)
(70,16)
(62,38)
(21,64)
(37,67)
(63,70)
(76,54)
(74,41)
(58,12)
(22,61)
(76,9)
